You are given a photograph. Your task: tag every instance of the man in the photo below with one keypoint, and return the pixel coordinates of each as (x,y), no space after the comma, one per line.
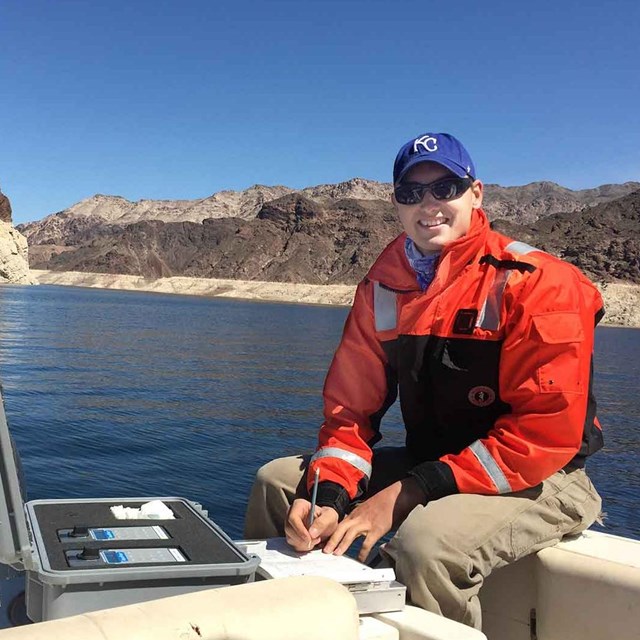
(489,343)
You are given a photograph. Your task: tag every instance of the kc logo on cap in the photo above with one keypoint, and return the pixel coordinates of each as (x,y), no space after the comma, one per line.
(428,143)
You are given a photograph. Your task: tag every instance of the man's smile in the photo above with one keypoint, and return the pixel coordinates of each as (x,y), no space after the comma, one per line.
(432,223)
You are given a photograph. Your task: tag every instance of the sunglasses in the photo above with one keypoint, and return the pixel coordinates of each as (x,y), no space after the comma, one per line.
(444,189)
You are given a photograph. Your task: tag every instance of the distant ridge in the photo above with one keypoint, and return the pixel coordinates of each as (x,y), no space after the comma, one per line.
(319,235)
(527,203)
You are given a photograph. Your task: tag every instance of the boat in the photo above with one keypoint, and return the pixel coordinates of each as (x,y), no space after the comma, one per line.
(584,588)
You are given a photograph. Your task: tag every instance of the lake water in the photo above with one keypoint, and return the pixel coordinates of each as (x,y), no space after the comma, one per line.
(116,394)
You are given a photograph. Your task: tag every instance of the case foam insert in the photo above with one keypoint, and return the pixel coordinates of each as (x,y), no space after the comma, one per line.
(189,532)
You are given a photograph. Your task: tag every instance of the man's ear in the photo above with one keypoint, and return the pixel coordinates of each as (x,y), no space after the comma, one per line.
(477,192)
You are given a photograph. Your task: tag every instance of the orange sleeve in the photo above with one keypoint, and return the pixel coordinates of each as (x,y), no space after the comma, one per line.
(355,389)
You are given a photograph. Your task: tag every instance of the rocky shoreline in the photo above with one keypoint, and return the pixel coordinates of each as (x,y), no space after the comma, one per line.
(622,301)
(341,294)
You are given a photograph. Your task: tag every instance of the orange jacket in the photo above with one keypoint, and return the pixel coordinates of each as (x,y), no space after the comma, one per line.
(492,361)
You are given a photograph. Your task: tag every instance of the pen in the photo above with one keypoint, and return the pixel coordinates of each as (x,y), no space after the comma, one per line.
(314,495)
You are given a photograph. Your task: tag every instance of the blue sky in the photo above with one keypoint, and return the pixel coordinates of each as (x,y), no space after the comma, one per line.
(179,99)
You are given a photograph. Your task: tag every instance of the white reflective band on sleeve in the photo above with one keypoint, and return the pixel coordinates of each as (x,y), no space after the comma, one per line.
(490,466)
(347,456)
(384,307)
(521,247)
(489,317)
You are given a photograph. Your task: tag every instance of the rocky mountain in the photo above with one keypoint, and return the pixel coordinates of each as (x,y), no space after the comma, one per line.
(537,200)
(14,263)
(62,227)
(324,236)
(5,208)
(293,239)
(526,204)
(603,241)
(356,188)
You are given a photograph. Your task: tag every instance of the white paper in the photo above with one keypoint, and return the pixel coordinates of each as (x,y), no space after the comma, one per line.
(279,560)
(154,510)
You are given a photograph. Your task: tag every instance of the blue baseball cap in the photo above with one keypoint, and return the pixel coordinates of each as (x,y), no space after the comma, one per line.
(441,148)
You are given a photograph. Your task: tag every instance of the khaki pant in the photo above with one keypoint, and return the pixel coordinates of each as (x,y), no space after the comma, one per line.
(443,551)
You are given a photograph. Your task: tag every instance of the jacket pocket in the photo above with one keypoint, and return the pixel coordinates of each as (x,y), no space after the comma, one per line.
(560,337)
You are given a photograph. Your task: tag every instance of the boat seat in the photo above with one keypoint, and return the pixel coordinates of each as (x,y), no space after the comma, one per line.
(583,588)
(285,609)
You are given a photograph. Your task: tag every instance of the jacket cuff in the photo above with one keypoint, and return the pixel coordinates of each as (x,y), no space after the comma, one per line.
(331,494)
(435,478)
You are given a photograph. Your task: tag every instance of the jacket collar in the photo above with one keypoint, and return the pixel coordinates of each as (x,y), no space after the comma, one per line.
(392,269)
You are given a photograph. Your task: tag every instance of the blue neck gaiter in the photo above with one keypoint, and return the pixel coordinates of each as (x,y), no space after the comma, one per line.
(424,266)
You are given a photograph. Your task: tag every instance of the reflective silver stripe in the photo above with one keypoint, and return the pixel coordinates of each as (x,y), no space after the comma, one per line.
(384,308)
(490,466)
(521,248)
(489,317)
(347,456)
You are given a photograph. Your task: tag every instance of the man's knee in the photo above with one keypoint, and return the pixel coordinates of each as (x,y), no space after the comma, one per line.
(267,473)
(432,558)
(426,537)
(272,492)
(414,545)
(281,473)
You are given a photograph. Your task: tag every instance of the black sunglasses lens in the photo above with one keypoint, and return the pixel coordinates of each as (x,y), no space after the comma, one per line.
(409,194)
(446,189)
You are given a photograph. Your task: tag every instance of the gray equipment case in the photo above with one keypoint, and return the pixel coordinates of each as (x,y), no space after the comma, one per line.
(35,537)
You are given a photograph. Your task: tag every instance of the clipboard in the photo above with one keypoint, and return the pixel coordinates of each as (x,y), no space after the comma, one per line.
(375,589)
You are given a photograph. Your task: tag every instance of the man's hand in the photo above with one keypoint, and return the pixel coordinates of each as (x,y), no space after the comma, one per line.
(295,527)
(375,517)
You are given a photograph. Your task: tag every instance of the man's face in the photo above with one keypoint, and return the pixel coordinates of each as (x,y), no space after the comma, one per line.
(432,224)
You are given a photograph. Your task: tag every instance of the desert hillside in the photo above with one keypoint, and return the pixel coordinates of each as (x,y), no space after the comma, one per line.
(329,234)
